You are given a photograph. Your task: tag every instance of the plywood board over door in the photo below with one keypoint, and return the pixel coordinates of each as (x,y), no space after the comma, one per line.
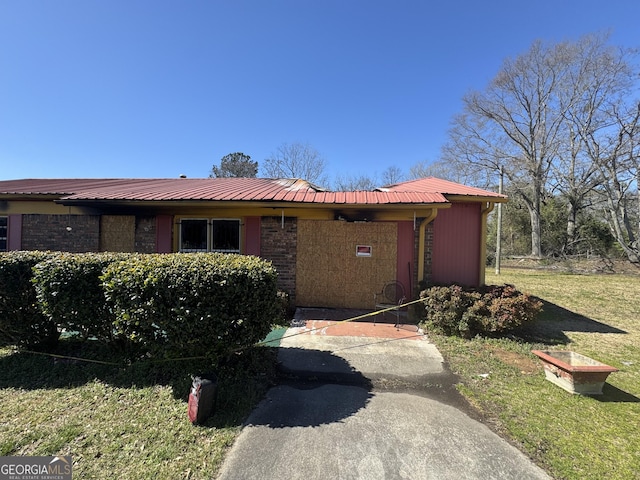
(328,271)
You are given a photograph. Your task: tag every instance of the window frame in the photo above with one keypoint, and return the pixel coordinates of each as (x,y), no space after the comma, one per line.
(211,224)
(210,221)
(193,250)
(4,239)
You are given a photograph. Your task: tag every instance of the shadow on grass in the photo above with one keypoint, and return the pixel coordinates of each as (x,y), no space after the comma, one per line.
(551,326)
(243,378)
(611,394)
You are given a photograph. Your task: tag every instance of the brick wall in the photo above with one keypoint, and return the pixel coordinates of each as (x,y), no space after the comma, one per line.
(49,232)
(145,237)
(428,251)
(279,245)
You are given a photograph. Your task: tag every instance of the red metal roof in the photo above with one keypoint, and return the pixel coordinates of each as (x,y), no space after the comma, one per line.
(432,184)
(425,191)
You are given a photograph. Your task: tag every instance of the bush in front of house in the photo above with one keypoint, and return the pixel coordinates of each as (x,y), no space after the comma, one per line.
(453,310)
(192,304)
(69,291)
(21,321)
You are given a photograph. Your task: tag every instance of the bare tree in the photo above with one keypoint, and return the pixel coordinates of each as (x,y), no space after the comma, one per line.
(599,79)
(454,172)
(235,164)
(520,122)
(615,149)
(392,175)
(355,183)
(296,160)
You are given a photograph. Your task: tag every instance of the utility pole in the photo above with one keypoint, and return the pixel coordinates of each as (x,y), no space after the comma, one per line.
(499,229)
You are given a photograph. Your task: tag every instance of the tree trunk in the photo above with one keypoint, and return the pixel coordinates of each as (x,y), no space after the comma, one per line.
(571,226)
(536,234)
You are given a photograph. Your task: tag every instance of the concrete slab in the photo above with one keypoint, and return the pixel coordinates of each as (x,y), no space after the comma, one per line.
(312,355)
(348,432)
(362,402)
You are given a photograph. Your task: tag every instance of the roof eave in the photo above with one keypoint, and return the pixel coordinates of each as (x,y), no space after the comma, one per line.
(477,198)
(246,203)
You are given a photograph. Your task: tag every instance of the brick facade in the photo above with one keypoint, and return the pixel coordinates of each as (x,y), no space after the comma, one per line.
(428,251)
(279,245)
(145,236)
(50,232)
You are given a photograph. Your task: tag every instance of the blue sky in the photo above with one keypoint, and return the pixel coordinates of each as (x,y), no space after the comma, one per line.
(156,88)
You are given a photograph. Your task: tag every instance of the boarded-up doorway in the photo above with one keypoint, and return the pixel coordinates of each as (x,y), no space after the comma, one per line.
(329,273)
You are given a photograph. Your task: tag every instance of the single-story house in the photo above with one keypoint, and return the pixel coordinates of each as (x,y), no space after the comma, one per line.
(331,249)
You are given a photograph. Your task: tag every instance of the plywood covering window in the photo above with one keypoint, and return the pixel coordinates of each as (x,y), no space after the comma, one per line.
(4,222)
(210,235)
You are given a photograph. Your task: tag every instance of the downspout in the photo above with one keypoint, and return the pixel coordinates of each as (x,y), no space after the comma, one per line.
(483,241)
(423,227)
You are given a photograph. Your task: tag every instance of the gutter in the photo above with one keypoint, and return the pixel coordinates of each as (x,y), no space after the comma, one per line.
(423,227)
(486,210)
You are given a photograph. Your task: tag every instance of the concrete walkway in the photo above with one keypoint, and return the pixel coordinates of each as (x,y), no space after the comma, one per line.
(364,401)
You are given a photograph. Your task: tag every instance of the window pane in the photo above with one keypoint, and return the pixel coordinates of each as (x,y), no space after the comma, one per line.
(226,236)
(193,236)
(3,234)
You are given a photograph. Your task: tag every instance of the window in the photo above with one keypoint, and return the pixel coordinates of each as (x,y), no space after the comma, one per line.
(209,235)
(193,236)
(3,233)
(225,236)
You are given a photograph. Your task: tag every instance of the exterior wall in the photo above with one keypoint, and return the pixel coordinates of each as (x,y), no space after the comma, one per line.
(145,235)
(89,233)
(456,245)
(278,245)
(419,283)
(14,241)
(405,267)
(252,235)
(164,234)
(49,232)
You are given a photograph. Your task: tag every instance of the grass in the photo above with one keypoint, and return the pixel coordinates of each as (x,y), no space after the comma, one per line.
(572,437)
(124,421)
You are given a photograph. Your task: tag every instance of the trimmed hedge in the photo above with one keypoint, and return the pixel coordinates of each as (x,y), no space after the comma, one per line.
(192,304)
(21,321)
(169,305)
(69,291)
(492,309)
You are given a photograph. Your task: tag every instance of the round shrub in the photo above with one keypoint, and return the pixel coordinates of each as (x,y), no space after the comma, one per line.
(490,310)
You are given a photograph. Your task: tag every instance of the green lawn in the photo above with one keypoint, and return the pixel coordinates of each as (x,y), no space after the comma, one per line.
(124,422)
(572,437)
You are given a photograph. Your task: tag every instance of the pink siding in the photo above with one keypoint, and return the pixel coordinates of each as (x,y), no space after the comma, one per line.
(405,256)
(456,245)
(164,234)
(252,236)
(14,240)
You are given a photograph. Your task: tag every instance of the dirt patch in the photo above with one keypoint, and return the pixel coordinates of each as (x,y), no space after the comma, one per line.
(526,365)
